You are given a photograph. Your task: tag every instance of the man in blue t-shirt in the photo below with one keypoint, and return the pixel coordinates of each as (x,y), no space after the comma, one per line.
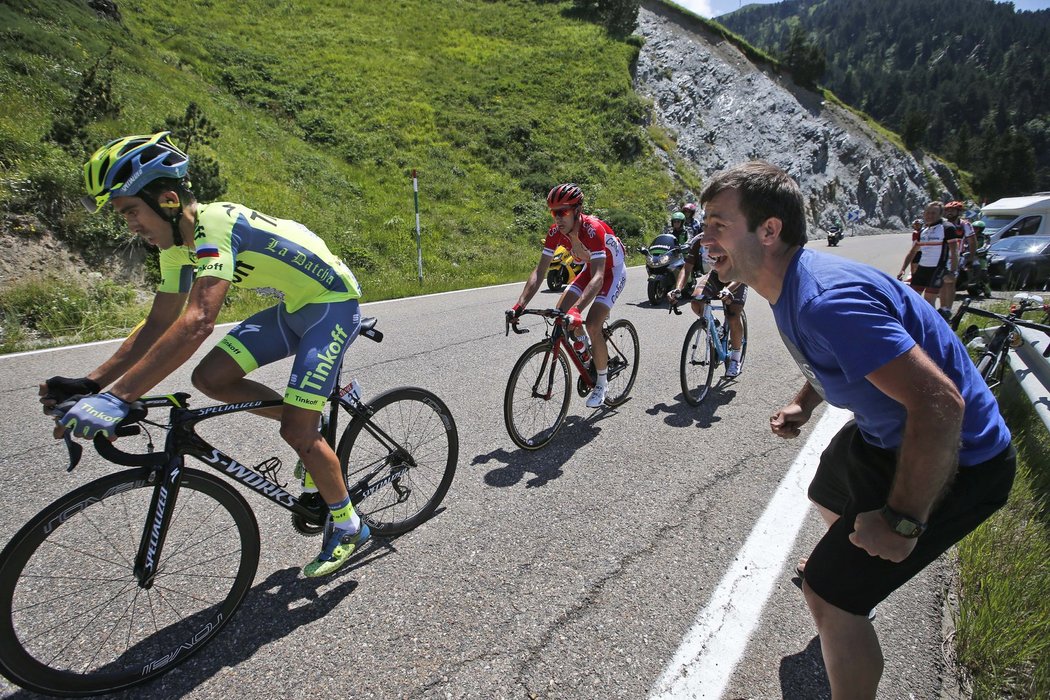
(927,457)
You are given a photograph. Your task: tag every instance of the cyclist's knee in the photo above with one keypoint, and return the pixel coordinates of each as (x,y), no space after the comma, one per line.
(698,307)
(300,432)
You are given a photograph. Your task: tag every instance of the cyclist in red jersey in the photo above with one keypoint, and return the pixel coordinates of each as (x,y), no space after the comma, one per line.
(600,281)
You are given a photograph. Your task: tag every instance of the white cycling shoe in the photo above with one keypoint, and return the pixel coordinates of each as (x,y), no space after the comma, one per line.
(597,397)
(733,370)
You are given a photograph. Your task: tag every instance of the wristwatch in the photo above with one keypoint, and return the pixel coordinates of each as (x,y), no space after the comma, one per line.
(902,524)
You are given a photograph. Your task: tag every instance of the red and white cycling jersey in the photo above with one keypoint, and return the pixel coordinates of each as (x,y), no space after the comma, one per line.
(595,245)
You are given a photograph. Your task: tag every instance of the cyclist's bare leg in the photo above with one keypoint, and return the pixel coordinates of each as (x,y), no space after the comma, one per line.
(599,350)
(698,306)
(736,326)
(852,656)
(947,293)
(219,377)
(299,430)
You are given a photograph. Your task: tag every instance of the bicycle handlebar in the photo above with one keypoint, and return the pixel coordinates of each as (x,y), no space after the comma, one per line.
(1012,320)
(512,318)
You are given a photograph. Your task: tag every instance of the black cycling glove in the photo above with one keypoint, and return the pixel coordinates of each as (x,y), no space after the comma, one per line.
(61,388)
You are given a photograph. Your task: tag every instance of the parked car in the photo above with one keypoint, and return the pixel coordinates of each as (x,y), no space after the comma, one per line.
(1020,262)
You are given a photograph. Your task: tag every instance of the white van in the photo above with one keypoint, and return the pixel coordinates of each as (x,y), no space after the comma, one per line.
(1017,216)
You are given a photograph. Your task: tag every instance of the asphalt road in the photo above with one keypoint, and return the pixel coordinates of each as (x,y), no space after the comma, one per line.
(571,572)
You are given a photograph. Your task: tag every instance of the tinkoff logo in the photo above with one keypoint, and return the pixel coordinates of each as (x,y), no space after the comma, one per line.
(207,251)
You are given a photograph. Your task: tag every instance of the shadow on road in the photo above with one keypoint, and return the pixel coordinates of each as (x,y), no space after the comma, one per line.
(802,675)
(547,462)
(271,610)
(682,415)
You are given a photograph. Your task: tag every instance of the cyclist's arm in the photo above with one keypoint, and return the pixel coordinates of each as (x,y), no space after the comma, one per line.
(683,274)
(908,258)
(532,284)
(166,308)
(179,342)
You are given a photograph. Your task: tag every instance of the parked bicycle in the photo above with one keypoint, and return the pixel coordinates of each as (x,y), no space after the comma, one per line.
(538,391)
(124,578)
(706,346)
(992,361)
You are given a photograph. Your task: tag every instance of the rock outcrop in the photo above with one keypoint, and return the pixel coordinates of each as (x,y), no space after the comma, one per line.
(724,110)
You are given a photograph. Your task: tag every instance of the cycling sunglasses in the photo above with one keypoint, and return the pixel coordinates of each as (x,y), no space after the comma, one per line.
(564,211)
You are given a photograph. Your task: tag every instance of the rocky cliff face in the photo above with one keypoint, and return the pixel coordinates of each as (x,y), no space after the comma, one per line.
(723,110)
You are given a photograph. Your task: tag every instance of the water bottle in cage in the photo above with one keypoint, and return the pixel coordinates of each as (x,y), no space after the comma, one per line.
(582,346)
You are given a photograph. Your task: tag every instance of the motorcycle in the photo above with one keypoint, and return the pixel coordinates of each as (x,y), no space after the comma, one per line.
(663,259)
(834,235)
(563,269)
(973,275)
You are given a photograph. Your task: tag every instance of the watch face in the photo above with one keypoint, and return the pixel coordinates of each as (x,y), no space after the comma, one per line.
(906,527)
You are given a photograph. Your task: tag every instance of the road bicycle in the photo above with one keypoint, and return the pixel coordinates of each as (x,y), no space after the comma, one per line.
(706,346)
(124,578)
(992,361)
(538,391)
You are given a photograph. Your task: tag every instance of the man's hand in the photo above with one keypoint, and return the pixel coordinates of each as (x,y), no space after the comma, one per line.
(95,415)
(575,319)
(788,421)
(872,533)
(674,295)
(55,390)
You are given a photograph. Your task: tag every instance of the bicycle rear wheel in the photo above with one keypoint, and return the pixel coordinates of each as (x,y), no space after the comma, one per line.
(74,617)
(698,363)
(537,396)
(622,340)
(412,474)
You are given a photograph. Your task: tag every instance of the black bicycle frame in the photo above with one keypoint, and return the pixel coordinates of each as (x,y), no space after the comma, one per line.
(166,468)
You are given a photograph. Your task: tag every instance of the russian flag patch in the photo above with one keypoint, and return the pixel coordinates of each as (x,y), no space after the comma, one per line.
(207,251)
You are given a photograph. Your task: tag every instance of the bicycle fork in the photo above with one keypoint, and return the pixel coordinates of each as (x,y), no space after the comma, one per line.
(161,509)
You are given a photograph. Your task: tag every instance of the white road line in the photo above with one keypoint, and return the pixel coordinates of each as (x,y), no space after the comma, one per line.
(710,651)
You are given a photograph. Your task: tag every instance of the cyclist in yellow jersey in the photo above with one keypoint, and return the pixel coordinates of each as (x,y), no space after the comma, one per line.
(206,248)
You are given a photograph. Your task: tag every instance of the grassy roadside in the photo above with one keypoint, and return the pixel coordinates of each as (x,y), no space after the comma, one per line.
(1003,627)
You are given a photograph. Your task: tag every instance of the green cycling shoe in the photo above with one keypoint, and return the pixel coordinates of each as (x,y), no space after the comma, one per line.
(338,546)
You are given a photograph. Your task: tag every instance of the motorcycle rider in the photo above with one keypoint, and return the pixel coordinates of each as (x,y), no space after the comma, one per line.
(733,296)
(600,281)
(693,225)
(677,229)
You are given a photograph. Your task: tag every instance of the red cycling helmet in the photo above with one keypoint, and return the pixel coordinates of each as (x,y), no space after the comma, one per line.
(954,205)
(567,195)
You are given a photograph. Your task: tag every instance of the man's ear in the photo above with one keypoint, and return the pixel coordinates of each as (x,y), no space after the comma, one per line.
(169,200)
(769,230)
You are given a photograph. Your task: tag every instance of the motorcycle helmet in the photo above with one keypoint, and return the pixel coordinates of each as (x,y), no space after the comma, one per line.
(567,195)
(691,206)
(124,166)
(979,224)
(678,216)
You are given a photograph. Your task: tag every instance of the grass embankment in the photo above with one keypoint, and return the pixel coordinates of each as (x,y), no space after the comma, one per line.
(322,109)
(1003,630)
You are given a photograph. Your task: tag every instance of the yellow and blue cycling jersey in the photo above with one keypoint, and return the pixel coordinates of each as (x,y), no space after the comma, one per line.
(256,251)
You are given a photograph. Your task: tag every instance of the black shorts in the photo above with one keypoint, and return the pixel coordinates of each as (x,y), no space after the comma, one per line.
(928,277)
(855,477)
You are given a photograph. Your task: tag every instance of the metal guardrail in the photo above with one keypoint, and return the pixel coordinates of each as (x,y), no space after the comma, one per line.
(1032,371)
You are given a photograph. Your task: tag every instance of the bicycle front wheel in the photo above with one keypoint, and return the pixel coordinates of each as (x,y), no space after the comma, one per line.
(698,363)
(622,340)
(76,620)
(406,453)
(537,397)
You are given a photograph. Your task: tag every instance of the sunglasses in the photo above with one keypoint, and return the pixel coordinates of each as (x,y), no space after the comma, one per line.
(562,212)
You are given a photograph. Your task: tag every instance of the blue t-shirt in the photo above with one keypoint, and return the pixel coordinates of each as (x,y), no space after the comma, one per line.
(842,320)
